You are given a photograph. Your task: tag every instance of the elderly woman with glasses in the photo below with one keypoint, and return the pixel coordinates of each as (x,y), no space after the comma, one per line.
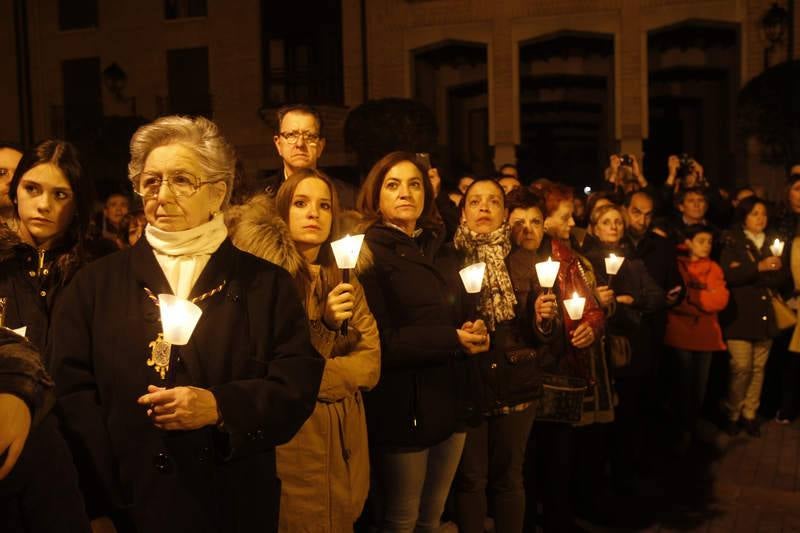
(182,438)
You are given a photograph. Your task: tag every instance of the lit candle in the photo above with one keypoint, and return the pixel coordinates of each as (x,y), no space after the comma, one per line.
(472,277)
(613,263)
(346,251)
(178,318)
(574,306)
(776,247)
(547,271)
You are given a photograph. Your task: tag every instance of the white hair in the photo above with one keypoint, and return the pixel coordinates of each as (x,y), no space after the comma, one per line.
(213,154)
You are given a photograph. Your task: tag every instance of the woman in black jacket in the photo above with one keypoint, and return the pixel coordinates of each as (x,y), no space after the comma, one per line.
(182,438)
(52,201)
(510,376)
(628,334)
(416,412)
(753,274)
(635,291)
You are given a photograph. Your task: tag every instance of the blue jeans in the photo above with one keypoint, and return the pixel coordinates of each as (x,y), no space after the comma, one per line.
(493,459)
(414,485)
(693,370)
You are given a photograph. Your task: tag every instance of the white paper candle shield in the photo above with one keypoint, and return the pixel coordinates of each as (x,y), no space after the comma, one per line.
(547,272)
(346,250)
(574,306)
(776,247)
(613,263)
(178,318)
(472,277)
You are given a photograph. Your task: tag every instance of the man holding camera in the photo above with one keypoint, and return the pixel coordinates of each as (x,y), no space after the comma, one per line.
(624,176)
(685,172)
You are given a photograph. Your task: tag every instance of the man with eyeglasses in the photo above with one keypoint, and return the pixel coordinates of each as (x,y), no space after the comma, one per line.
(300,143)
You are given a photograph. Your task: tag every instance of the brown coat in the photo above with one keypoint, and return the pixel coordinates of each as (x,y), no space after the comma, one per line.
(324,469)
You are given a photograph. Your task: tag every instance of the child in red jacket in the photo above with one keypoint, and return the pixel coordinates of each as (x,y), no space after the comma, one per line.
(692,326)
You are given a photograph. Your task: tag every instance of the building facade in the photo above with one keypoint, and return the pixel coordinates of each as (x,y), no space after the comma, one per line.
(554,85)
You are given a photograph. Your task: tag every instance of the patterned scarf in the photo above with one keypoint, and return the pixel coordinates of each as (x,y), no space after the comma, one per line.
(497,299)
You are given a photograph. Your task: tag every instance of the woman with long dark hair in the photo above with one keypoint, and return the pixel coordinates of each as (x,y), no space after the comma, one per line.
(52,200)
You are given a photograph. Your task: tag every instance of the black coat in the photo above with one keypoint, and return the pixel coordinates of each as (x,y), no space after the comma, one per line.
(631,321)
(421,398)
(508,377)
(661,262)
(251,348)
(41,493)
(659,258)
(749,315)
(32,281)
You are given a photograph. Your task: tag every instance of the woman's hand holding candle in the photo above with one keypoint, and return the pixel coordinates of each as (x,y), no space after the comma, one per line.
(769,263)
(583,336)
(338,306)
(546,307)
(604,295)
(473,343)
(180,408)
(478,327)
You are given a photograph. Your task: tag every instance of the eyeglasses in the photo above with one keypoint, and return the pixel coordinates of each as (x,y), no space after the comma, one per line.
(291,137)
(180,184)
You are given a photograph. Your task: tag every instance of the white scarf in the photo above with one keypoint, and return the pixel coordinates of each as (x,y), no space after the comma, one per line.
(757,238)
(183,255)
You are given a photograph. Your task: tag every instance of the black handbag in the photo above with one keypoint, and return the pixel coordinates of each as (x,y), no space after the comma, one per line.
(510,377)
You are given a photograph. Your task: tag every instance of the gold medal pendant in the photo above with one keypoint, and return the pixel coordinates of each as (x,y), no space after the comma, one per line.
(159,355)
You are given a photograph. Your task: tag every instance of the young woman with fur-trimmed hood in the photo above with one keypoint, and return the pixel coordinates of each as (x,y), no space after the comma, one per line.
(324,469)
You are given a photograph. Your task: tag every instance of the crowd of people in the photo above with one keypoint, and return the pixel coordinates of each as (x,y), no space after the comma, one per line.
(390,399)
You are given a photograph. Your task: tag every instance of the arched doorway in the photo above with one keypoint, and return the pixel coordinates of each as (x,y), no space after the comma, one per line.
(566,106)
(450,77)
(693,79)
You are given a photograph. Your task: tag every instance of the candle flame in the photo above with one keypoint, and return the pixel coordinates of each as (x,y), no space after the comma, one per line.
(575,295)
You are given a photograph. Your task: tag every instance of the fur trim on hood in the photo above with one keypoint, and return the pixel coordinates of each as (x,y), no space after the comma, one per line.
(257,228)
